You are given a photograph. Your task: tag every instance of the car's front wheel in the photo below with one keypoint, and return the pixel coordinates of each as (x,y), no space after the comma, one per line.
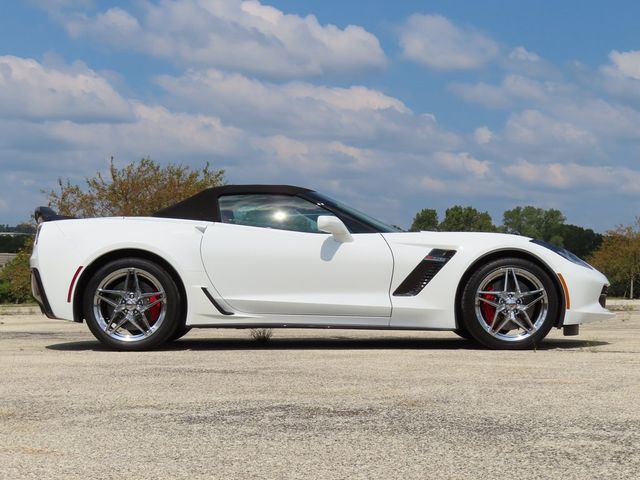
(132,304)
(510,303)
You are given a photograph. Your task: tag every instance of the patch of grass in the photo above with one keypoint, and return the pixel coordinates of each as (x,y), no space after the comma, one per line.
(261,334)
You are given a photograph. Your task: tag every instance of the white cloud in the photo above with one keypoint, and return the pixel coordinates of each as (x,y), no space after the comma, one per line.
(245,36)
(354,114)
(572,176)
(434,41)
(523,55)
(626,63)
(462,164)
(534,128)
(433,185)
(155,131)
(211,87)
(483,135)
(31,90)
(513,88)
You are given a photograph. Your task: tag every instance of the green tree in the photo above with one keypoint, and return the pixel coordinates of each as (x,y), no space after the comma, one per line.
(26,228)
(536,223)
(139,188)
(12,243)
(619,258)
(581,241)
(466,219)
(426,219)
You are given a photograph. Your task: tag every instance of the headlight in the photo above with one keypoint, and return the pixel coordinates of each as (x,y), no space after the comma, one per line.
(563,252)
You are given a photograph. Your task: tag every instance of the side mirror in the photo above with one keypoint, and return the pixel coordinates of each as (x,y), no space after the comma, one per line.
(334,226)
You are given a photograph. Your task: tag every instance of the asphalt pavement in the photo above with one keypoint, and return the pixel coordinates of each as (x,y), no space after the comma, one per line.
(318,404)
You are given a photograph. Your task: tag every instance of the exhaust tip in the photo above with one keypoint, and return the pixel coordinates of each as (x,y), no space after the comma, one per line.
(571,330)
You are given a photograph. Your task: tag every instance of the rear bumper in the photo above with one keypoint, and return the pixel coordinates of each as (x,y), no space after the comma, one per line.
(37,290)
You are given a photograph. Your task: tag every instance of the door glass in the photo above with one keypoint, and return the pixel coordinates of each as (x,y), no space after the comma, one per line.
(284,212)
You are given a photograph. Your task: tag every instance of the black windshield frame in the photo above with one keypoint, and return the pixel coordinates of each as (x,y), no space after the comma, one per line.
(356,222)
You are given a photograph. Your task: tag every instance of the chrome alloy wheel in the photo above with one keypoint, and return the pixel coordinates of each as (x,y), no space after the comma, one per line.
(511,304)
(129,304)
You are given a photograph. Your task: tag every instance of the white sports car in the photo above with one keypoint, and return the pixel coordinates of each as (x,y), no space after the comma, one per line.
(247,256)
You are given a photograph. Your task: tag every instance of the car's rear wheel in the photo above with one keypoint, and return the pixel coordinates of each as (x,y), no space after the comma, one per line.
(462,332)
(510,303)
(132,304)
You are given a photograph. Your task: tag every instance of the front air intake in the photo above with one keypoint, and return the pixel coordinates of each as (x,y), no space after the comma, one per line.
(424,273)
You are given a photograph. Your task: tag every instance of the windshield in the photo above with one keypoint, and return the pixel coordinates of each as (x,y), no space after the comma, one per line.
(363,217)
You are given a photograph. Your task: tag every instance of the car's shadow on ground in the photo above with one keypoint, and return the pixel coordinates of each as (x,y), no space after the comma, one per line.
(330,343)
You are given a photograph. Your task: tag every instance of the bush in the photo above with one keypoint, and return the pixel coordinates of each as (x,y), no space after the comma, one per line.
(15,277)
(4,292)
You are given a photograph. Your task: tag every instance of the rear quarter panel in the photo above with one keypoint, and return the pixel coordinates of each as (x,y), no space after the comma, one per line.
(64,246)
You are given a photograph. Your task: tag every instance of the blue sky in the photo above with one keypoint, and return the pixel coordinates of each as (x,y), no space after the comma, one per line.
(391,106)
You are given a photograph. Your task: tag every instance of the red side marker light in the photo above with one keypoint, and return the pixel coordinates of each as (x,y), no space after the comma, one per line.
(73,282)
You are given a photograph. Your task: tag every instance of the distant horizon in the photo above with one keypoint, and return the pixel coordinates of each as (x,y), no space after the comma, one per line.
(391,107)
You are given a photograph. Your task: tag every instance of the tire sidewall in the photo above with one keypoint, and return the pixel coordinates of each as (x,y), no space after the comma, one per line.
(172,295)
(472,323)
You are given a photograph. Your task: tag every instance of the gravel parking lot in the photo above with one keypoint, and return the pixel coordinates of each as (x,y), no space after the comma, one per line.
(318,404)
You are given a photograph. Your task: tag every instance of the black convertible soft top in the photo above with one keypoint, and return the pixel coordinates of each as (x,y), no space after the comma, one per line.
(204,205)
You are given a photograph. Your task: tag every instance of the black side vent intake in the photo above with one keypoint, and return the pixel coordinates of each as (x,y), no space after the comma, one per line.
(603,296)
(424,272)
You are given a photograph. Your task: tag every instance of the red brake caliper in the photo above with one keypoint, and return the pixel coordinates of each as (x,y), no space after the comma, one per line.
(487,310)
(154,312)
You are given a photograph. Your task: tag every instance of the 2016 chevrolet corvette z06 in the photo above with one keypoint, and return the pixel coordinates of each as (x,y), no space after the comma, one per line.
(246,256)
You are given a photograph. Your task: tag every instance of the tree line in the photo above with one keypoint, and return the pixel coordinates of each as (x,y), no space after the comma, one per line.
(543,224)
(144,187)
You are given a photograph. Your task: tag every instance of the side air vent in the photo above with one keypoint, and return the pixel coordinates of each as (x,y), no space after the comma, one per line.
(424,272)
(603,297)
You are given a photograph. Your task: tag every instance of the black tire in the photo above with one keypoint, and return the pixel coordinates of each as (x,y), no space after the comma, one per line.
(158,294)
(179,333)
(462,332)
(523,308)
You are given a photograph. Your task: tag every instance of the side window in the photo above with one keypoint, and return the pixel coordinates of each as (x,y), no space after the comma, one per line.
(284,212)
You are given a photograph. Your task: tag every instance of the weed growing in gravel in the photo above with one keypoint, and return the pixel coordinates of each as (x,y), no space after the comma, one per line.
(261,334)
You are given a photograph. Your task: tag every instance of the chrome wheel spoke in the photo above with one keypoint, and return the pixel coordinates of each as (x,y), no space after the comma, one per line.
(531,326)
(119,293)
(506,281)
(515,281)
(108,301)
(150,305)
(127,280)
(533,302)
(160,295)
(493,330)
(136,282)
(515,320)
(533,292)
(111,328)
(488,302)
(133,321)
(145,324)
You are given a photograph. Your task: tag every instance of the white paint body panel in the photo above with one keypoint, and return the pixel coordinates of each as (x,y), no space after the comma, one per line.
(277,277)
(278,272)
